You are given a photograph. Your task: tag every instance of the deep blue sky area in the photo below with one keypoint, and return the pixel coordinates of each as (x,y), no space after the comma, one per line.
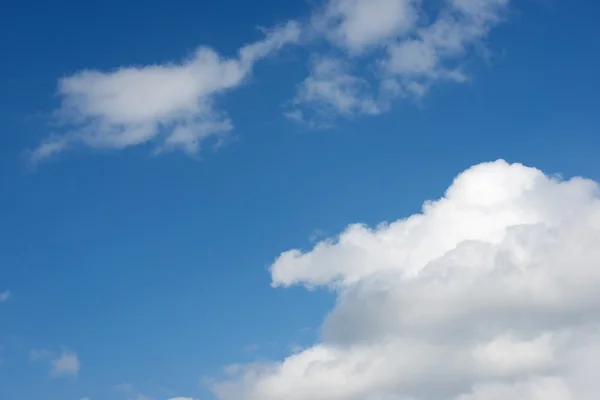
(153,268)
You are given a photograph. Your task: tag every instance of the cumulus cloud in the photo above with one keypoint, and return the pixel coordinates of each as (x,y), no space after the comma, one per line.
(66,364)
(172,103)
(490,293)
(406,49)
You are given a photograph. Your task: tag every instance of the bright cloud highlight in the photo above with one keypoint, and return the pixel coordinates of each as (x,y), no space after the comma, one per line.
(358,25)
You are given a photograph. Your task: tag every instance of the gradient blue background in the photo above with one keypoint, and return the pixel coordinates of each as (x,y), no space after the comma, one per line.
(153,269)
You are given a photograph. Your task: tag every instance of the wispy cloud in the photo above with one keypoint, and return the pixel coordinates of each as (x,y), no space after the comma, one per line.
(125,387)
(400,50)
(172,103)
(5,296)
(364,56)
(131,392)
(66,363)
(330,90)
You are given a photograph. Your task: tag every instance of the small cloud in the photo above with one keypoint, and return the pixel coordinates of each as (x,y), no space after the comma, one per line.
(331,90)
(4,296)
(171,104)
(295,115)
(67,364)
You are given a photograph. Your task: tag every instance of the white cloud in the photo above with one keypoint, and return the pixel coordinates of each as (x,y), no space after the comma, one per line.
(172,103)
(491,293)
(331,90)
(66,364)
(432,55)
(405,48)
(358,25)
(5,296)
(376,51)
(534,389)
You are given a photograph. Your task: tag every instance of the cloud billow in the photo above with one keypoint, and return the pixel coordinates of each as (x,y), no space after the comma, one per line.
(490,293)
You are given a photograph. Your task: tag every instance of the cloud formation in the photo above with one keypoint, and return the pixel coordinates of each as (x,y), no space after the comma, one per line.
(331,90)
(359,25)
(172,103)
(66,364)
(490,293)
(406,50)
(377,51)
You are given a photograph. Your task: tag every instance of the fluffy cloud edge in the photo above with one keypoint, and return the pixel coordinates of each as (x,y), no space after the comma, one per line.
(172,104)
(499,276)
(409,49)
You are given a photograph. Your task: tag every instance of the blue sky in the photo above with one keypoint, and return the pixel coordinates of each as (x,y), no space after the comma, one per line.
(145,202)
